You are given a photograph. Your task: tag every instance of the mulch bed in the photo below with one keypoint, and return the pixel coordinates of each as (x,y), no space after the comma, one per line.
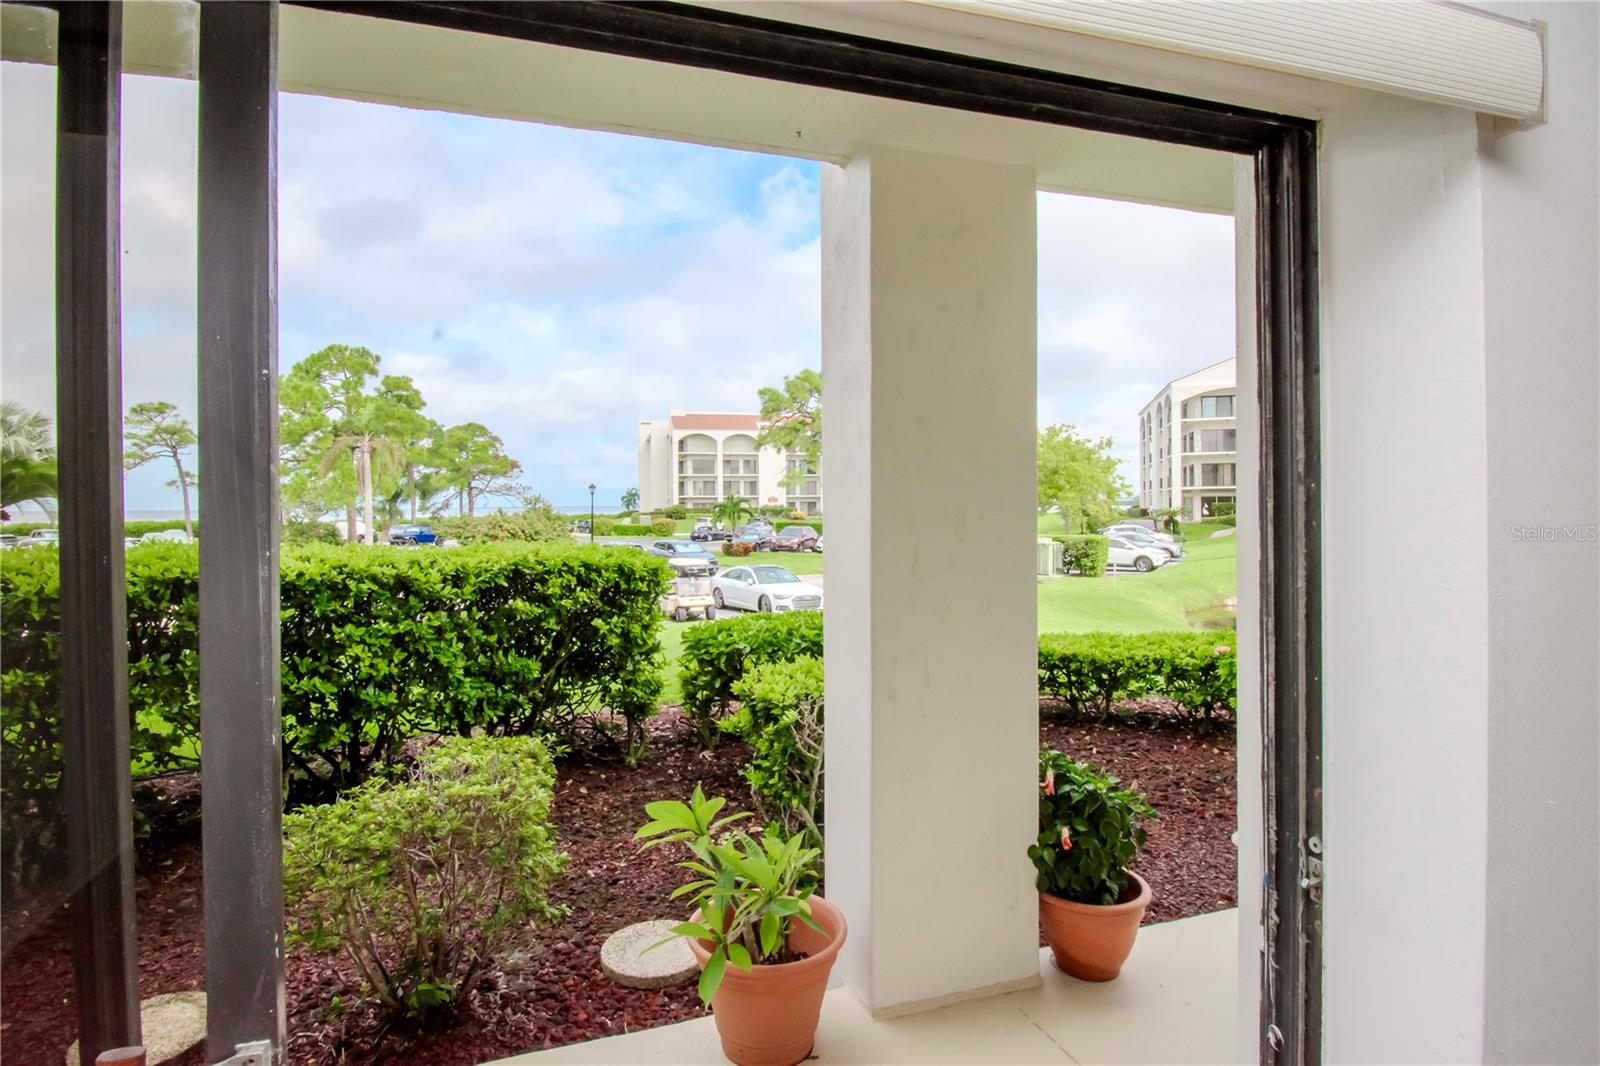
(551,991)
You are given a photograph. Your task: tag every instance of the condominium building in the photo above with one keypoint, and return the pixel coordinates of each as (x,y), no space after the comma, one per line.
(694,459)
(1188,443)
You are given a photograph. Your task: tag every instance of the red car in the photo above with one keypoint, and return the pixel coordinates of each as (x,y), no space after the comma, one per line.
(795,539)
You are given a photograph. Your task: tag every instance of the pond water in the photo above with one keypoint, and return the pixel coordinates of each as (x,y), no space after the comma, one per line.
(1218,616)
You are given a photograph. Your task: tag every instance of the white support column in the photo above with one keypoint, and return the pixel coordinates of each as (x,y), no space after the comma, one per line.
(929,368)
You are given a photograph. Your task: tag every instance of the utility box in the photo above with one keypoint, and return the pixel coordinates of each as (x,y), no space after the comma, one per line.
(1047,557)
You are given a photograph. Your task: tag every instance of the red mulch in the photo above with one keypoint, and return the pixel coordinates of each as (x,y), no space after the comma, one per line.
(550,990)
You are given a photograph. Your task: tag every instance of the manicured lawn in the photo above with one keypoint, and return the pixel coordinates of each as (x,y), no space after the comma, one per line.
(1136,603)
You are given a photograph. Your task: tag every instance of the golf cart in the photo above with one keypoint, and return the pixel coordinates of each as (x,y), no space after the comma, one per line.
(687,596)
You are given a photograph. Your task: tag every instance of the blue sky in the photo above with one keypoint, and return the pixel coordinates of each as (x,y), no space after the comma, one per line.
(559,285)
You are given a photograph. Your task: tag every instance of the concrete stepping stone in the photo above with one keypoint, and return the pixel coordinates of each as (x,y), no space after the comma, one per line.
(629,958)
(172,1023)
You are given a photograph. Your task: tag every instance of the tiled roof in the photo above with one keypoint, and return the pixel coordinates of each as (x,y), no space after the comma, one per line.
(690,420)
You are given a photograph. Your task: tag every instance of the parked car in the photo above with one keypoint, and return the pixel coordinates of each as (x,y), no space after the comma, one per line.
(8,540)
(51,537)
(170,536)
(765,588)
(758,535)
(817,547)
(1142,539)
(686,558)
(704,530)
(1124,554)
(795,539)
(1133,527)
(410,536)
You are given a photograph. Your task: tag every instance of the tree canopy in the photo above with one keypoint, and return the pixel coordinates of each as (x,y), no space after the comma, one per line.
(351,437)
(793,417)
(156,430)
(1078,475)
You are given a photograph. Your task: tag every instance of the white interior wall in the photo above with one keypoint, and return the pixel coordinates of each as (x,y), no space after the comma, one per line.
(1405,690)
(1541,232)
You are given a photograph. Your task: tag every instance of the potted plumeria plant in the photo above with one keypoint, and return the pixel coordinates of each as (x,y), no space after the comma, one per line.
(1090,903)
(765,942)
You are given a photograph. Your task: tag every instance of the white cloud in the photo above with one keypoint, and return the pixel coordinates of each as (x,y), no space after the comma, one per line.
(559,285)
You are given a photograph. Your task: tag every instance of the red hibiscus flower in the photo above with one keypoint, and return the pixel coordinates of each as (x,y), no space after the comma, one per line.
(1049,782)
(1066,839)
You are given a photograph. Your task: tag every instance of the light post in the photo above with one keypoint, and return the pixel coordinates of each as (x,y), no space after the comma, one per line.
(591,512)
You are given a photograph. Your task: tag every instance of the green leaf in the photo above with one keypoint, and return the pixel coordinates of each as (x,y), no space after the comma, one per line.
(711,976)
(739,956)
(694,929)
(771,933)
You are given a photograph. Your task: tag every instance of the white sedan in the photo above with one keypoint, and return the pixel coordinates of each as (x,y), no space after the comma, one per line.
(765,588)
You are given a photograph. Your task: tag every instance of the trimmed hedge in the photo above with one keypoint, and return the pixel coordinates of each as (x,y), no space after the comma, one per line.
(1086,553)
(377,646)
(510,639)
(781,718)
(1091,672)
(534,524)
(737,549)
(658,527)
(716,655)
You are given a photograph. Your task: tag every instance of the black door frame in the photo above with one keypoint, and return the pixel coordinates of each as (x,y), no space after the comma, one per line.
(1282,148)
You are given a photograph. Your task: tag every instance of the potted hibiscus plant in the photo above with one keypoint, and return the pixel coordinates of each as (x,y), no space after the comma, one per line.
(765,942)
(1090,903)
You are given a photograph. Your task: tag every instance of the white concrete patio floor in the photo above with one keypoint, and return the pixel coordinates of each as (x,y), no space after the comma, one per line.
(1174,1003)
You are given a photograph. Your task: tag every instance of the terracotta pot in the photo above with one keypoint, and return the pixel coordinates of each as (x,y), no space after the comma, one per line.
(1092,941)
(768,1017)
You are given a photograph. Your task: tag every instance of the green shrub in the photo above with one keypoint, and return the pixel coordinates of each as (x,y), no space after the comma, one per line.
(1084,552)
(163,702)
(1200,671)
(663,527)
(535,524)
(676,512)
(1091,672)
(506,638)
(604,527)
(1223,509)
(716,655)
(738,549)
(294,533)
(421,881)
(780,717)
(1089,831)
(376,646)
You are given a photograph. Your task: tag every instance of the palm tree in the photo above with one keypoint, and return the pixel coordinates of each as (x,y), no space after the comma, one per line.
(731,511)
(372,454)
(24,434)
(630,499)
(27,459)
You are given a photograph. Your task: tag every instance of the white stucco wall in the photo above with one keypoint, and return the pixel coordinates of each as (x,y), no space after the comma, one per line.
(1405,688)
(1541,231)
(932,616)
